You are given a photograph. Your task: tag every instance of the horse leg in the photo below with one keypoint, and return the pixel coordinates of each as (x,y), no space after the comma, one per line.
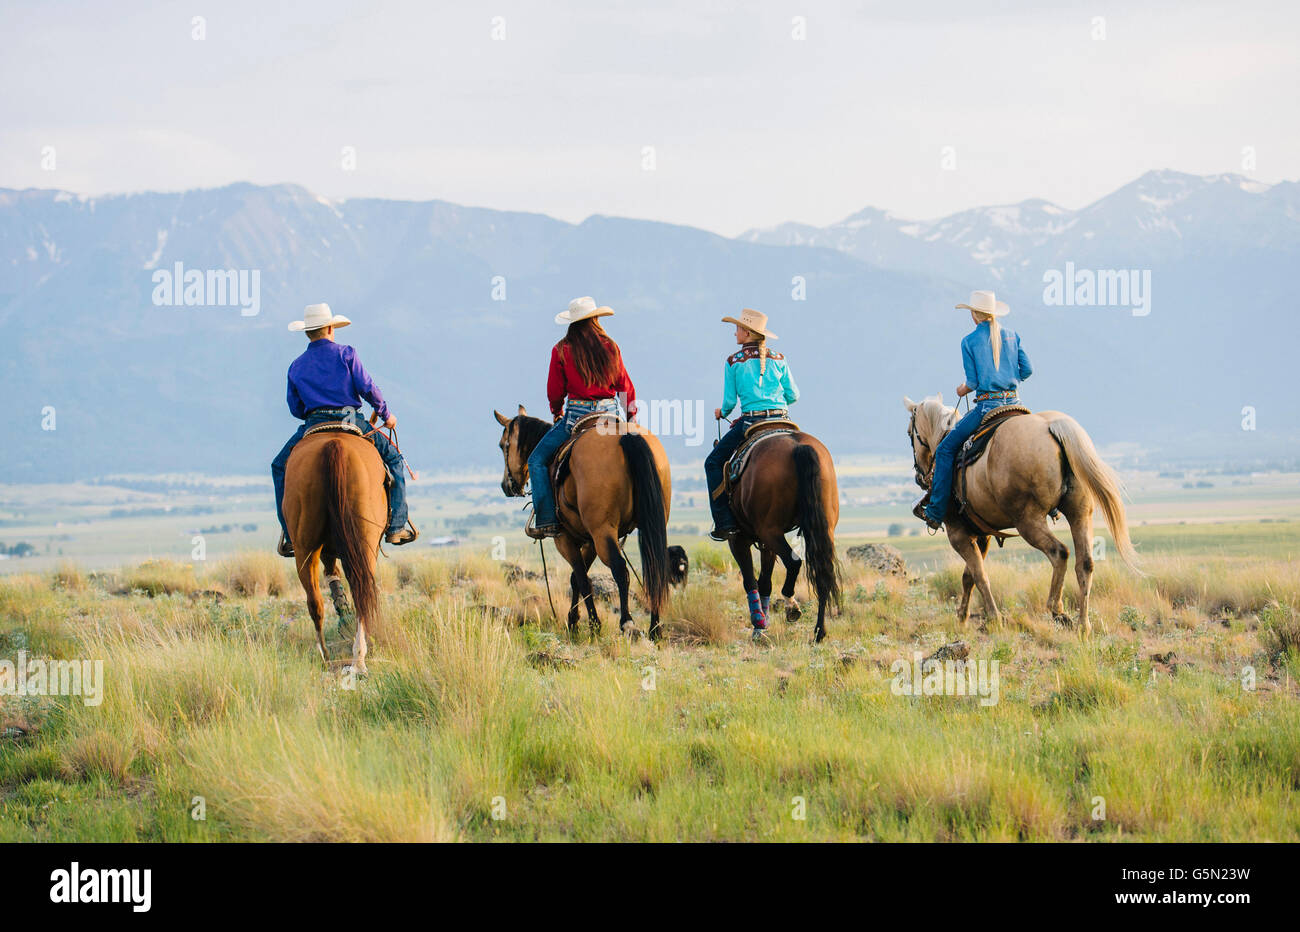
(337,596)
(611,556)
(359,639)
(780,548)
(964,543)
(766,562)
(579,584)
(968,581)
(588,556)
(1079,516)
(742,551)
(309,575)
(1036,534)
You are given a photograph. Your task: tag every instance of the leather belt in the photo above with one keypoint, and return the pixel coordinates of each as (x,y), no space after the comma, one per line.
(773,412)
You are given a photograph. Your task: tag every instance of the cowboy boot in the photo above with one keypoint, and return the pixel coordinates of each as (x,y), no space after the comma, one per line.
(402,535)
(541,532)
(284,548)
(918,509)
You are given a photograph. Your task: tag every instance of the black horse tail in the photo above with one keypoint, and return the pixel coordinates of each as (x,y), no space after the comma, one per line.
(348,536)
(651,519)
(818,544)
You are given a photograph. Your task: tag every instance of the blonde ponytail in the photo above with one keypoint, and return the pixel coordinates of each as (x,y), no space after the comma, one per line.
(762,358)
(995,338)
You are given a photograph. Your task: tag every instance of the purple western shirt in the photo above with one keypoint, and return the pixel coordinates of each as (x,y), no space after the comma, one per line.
(329,375)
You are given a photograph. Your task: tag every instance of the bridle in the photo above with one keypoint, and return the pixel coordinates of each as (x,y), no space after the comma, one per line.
(922,479)
(513,487)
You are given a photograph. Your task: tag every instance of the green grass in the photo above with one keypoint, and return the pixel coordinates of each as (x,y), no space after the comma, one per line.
(482,719)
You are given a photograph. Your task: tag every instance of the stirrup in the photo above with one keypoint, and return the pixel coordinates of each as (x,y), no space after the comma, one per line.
(403,535)
(722,535)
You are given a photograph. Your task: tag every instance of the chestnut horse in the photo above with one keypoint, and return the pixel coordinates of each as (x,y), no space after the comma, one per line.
(336,509)
(1033,464)
(617,481)
(788,483)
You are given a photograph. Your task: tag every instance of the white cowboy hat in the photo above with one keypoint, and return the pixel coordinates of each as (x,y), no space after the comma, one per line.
(315,316)
(753,321)
(581,309)
(985,302)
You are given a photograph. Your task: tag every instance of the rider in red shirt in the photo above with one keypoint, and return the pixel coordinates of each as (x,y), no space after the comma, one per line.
(586,369)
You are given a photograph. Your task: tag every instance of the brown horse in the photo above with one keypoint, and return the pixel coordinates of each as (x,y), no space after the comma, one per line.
(788,483)
(336,509)
(617,481)
(1033,464)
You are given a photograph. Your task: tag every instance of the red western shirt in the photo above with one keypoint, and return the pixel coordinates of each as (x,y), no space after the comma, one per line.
(564,379)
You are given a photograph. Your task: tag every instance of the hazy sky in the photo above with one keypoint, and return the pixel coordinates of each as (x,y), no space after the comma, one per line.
(749,126)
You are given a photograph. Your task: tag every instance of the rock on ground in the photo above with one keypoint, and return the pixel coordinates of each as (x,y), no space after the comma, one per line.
(882,558)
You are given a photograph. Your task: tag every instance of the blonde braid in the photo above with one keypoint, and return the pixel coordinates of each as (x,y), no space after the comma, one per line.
(762,358)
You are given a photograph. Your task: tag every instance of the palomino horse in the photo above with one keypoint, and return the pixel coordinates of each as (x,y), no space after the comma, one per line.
(336,509)
(617,481)
(788,483)
(1033,464)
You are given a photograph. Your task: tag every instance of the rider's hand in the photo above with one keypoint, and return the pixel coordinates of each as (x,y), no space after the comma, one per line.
(391,422)
(717,414)
(963,389)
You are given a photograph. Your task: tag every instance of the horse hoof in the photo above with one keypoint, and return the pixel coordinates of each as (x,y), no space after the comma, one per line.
(793,613)
(1062,619)
(631,632)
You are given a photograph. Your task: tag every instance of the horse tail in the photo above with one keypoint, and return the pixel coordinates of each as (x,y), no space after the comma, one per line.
(345,529)
(818,544)
(1098,479)
(651,520)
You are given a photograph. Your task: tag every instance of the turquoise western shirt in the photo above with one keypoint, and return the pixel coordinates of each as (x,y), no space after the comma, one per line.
(741,382)
(977,356)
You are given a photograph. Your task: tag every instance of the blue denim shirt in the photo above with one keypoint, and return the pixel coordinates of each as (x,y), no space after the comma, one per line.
(977,358)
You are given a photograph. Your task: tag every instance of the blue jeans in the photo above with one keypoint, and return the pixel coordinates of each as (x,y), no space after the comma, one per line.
(716,461)
(392,459)
(946,455)
(539,473)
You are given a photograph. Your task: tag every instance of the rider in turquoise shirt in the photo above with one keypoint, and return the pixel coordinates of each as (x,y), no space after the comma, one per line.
(757,379)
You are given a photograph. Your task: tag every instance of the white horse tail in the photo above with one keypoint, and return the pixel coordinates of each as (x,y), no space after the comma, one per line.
(1099,479)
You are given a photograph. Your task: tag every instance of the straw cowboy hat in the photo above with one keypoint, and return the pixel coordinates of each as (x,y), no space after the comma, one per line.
(315,316)
(985,302)
(752,321)
(581,309)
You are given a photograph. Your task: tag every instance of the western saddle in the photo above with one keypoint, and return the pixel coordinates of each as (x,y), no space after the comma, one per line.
(755,434)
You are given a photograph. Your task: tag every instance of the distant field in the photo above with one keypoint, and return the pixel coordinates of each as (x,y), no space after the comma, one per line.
(104,525)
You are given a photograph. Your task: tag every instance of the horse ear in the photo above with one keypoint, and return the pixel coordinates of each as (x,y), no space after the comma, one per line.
(909,404)
(939,397)
(501,418)
(522,412)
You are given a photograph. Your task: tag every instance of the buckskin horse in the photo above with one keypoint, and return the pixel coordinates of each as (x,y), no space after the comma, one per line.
(1033,464)
(787,483)
(336,509)
(616,480)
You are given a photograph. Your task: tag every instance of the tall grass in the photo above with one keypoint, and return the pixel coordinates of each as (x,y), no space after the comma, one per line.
(484,719)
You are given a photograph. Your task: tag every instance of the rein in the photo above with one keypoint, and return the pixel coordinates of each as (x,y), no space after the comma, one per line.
(392,438)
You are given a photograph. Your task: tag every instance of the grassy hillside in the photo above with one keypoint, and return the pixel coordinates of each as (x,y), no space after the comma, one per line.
(481,719)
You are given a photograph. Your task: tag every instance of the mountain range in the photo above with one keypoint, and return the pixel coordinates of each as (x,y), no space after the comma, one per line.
(452,313)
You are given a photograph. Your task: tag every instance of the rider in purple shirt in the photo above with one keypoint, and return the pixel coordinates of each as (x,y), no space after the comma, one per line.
(328,383)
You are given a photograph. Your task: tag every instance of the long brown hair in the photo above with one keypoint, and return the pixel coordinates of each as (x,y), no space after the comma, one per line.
(595,353)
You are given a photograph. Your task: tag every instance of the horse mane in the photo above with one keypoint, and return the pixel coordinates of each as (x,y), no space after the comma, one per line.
(938,416)
(529,432)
